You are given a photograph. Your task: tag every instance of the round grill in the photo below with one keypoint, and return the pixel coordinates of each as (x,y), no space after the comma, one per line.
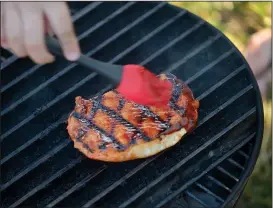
(208,168)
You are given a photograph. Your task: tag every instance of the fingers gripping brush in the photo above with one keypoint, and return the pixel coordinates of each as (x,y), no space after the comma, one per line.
(134,82)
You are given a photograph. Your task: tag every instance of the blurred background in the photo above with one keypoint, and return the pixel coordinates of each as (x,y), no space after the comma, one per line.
(248,26)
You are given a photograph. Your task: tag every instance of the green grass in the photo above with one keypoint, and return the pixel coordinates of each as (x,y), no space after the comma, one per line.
(238,21)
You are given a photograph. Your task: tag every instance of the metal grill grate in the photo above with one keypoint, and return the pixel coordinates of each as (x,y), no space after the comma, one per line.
(6,58)
(39,165)
(5,55)
(208,189)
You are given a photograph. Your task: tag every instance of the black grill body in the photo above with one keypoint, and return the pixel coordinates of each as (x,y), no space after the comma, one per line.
(208,168)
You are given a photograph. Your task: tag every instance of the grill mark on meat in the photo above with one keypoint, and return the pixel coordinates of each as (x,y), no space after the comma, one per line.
(121,104)
(120,107)
(104,135)
(174,106)
(102,146)
(177,90)
(145,109)
(126,123)
(181,89)
(135,131)
(96,105)
(81,135)
(79,139)
(148,112)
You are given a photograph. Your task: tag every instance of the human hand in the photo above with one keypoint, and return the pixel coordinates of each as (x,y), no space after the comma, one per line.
(25,24)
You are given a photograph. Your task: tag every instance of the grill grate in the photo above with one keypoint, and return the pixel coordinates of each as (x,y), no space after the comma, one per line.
(5,54)
(6,58)
(36,100)
(208,190)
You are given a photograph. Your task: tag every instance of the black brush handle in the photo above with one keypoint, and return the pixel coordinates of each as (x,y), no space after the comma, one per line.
(111,71)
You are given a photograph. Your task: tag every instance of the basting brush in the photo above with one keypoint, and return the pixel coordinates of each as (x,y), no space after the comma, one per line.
(132,81)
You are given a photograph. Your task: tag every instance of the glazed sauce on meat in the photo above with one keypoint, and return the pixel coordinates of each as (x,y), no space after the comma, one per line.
(182,101)
(120,123)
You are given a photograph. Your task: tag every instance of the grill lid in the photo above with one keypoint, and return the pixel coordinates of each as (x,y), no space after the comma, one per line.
(40,167)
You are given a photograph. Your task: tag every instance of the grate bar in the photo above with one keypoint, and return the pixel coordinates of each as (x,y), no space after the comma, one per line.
(128,27)
(243,154)
(75,17)
(222,170)
(85,10)
(224,105)
(204,173)
(117,183)
(213,63)
(171,43)
(106,20)
(191,195)
(235,163)
(69,67)
(77,186)
(51,103)
(220,83)
(194,153)
(250,145)
(206,68)
(209,192)
(8,61)
(45,183)
(35,164)
(32,140)
(219,183)
(150,35)
(194,52)
(22,76)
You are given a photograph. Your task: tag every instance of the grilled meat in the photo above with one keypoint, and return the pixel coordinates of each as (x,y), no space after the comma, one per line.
(110,128)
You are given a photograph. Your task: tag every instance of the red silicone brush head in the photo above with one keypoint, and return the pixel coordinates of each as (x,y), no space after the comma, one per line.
(143,87)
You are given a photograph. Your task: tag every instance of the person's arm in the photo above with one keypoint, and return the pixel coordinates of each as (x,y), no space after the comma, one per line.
(25,24)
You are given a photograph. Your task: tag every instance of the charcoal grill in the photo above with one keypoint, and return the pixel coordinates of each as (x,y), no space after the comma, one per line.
(208,168)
